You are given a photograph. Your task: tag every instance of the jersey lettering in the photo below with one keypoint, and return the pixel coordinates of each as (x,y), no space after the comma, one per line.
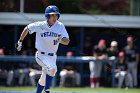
(47,34)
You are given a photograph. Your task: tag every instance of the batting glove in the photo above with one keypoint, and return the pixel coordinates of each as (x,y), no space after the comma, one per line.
(59,37)
(19,46)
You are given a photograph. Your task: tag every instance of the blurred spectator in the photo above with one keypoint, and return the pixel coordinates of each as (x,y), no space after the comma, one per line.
(132,59)
(7,73)
(112,53)
(34,74)
(122,72)
(100,53)
(113,50)
(21,73)
(69,54)
(1,51)
(6,70)
(9,68)
(69,77)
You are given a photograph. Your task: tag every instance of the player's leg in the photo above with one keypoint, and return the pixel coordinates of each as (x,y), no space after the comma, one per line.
(63,76)
(39,88)
(49,76)
(130,71)
(21,77)
(78,79)
(121,79)
(32,75)
(92,68)
(45,80)
(48,80)
(10,76)
(49,69)
(128,80)
(41,84)
(98,72)
(134,73)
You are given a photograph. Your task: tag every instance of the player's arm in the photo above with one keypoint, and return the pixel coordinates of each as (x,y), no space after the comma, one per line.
(65,41)
(22,36)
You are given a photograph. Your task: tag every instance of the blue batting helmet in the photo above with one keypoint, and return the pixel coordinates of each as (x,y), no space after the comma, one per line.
(51,10)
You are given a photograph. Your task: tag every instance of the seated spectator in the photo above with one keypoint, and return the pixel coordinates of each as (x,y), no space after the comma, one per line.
(21,73)
(122,72)
(69,77)
(6,74)
(34,74)
(6,70)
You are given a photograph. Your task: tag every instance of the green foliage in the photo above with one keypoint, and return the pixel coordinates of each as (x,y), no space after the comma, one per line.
(68,6)
(98,7)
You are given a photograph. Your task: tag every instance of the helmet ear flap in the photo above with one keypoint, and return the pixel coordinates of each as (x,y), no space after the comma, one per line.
(47,16)
(58,15)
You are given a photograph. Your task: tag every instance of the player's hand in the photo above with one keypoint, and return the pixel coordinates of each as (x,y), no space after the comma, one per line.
(19,46)
(59,37)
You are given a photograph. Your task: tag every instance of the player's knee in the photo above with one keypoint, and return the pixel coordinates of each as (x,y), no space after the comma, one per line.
(42,80)
(52,72)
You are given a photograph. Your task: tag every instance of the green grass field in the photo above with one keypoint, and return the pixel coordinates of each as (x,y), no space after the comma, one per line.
(73,89)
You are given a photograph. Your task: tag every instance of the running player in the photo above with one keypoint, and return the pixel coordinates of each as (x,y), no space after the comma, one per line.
(49,34)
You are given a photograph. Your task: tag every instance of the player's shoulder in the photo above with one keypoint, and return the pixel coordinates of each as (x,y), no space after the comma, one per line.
(39,23)
(60,23)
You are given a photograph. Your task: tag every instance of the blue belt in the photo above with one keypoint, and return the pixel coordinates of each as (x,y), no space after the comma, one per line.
(49,54)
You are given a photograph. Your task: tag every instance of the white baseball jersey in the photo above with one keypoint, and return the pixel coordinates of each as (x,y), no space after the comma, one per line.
(47,37)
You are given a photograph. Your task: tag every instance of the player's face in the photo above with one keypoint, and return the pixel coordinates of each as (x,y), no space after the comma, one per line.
(52,19)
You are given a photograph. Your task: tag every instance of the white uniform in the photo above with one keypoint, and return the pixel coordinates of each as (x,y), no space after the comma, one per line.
(47,45)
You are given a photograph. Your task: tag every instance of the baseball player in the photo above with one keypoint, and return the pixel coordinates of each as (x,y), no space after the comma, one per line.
(49,34)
